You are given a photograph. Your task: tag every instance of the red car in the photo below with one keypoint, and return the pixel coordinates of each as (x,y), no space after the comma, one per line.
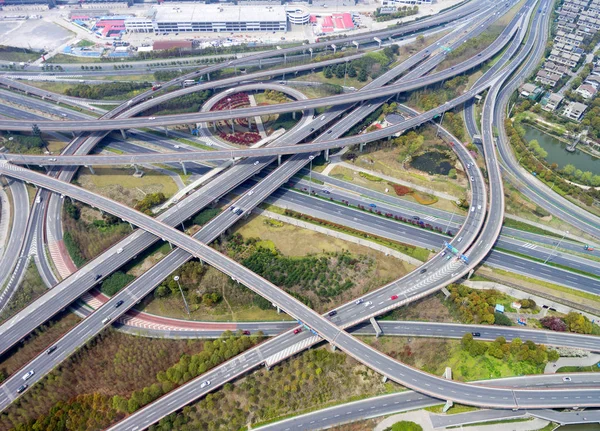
(297,330)
(246,332)
(394,297)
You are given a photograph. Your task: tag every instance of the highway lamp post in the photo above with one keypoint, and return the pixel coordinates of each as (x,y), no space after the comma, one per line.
(310,176)
(176,278)
(556,246)
(229,103)
(450,221)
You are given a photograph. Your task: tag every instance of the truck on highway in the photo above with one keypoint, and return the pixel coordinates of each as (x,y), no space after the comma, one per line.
(588,248)
(156,87)
(189,82)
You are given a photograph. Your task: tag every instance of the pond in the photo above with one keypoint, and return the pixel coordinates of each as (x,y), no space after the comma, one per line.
(559,155)
(432,162)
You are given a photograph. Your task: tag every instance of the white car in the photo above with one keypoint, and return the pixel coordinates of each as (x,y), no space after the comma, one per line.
(566,379)
(28,375)
(472,178)
(358,301)
(120,250)
(177,146)
(151,118)
(204,384)
(256,163)
(251,192)
(38,200)
(368,303)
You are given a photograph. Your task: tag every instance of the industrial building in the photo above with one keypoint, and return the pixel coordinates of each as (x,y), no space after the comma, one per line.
(210,18)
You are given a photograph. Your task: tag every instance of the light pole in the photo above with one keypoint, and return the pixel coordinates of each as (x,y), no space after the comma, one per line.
(229,102)
(176,278)
(310,175)
(449,221)
(556,246)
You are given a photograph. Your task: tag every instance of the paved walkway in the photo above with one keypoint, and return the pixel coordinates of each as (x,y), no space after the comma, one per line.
(591,359)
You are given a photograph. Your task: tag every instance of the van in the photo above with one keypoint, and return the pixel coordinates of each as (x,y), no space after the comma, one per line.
(106,320)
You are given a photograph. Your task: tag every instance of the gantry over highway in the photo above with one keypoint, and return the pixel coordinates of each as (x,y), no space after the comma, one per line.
(479,236)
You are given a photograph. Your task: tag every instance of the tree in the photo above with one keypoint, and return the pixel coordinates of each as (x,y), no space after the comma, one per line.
(452,173)
(420,39)
(578,323)
(569,169)
(502,319)
(328,73)
(362,75)
(340,71)
(352,72)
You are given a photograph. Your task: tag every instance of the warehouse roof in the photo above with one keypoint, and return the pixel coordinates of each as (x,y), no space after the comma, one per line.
(218,13)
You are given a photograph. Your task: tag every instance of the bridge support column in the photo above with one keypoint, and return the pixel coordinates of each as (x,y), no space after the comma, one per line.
(208,76)
(447,406)
(267,367)
(130,225)
(214,126)
(184,168)
(376,326)
(91,169)
(294,115)
(166,131)
(333,348)
(278,309)
(385,379)
(260,63)
(171,245)
(326,154)
(73,134)
(137,171)
(123,134)
(279,160)
(361,147)
(470,274)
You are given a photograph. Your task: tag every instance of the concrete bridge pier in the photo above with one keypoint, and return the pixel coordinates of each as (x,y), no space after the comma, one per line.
(183,167)
(361,147)
(214,126)
(294,115)
(326,155)
(123,134)
(333,348)
(279,160)
(91,168)
(376,326)
(166,131)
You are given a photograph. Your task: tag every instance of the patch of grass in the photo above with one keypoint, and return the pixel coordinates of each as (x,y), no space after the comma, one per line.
(429,309)
(455,409)
(517,224)
(84,43)
(71,59)
(17,55)
(31,288)
(36,342)
(120,184)
(54,87)
(320,77)
(571,369)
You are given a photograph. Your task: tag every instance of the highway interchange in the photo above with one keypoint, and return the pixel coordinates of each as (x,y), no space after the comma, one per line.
(412,287)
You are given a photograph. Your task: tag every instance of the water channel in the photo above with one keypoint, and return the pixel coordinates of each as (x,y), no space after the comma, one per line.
(559,155)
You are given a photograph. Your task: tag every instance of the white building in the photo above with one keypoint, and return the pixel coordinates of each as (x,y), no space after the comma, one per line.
(405,2)
(217,18)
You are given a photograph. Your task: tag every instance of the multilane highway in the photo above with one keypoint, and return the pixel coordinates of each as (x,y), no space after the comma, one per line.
(323,327)
(104,262)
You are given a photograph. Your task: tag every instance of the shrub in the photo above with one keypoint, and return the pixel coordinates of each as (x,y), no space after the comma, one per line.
(502,319)
(554,323)
(401,190)
(116,282)
(369,177)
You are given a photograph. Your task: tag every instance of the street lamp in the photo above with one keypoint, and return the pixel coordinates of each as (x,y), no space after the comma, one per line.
(556,246)
(176,278)
(310,175)
(229,102)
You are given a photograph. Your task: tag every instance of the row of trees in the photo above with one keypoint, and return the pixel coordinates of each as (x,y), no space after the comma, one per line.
(572,322)
(516,350)
(189,367)
(113,89)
